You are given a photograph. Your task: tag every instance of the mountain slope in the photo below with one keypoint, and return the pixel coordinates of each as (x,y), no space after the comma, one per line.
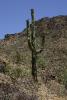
(51,63)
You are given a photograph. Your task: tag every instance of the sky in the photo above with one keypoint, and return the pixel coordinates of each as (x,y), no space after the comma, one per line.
(14,13)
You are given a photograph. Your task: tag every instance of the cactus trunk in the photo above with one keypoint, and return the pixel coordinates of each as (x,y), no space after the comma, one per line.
(34,67)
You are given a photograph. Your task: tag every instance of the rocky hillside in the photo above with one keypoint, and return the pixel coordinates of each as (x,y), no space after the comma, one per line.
(51,63)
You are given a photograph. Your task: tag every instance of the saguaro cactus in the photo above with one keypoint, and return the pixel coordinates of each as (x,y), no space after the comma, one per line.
(32,44)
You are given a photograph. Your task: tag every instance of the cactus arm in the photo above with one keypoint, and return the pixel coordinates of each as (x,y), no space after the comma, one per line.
(29,36)
(42,44)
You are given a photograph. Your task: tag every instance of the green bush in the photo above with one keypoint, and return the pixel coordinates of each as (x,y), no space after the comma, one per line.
(13,72)
(16,72)
(41,63)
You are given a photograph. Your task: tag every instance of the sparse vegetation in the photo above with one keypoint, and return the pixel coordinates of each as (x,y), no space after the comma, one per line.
(18,57)
(14,73)
(51,63)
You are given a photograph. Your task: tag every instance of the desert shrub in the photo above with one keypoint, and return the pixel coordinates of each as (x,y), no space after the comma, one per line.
(65,78)
(62,78)
(2,66)
(16,72)
(18,57)
(13,72)
(41,63)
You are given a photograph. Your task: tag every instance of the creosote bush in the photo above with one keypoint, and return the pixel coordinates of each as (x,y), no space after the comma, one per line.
(17,71)
(13,72)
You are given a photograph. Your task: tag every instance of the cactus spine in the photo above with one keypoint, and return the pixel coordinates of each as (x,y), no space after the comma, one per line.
(32,42)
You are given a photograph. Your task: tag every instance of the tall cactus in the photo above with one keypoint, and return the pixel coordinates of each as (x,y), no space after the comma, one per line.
(32,44)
